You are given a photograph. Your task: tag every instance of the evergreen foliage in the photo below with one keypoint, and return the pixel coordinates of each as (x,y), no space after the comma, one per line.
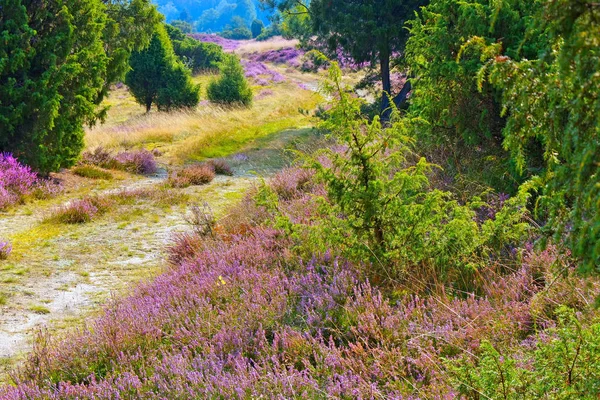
(367,31)
(464,121)
(231,87)
(554,99)
(196,55)
(183,26)
(158,77)
(53,70)
(129,27)
(446,92)
(399,220)
(257,28)
(237,30)
(272,30)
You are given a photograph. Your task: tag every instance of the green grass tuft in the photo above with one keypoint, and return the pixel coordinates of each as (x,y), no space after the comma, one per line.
(91,172)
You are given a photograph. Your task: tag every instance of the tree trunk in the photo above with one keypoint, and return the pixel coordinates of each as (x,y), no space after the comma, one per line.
(401,97)
(384,60)
(148,106)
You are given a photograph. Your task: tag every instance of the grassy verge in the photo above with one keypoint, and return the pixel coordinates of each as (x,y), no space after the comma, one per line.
(209,131)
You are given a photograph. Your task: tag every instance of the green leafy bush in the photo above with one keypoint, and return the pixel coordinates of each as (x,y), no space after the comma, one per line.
(554,99)
(242,33)
(272,30)
(52,72)
(380,191)
(231,87)
(257,28)
(564,365)
(465,123)
(196,55)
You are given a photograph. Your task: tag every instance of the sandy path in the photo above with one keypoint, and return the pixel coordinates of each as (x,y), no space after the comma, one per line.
(61,274)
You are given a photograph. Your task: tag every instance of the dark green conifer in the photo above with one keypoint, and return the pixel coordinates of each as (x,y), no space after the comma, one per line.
(158,77)
(53,68)
(232,86)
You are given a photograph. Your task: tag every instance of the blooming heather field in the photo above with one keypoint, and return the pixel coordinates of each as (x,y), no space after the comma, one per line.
(297,248)
(240,314)
(68,240)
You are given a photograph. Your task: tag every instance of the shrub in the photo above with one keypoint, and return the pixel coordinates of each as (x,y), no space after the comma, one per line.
(185,247)
(221,167)
(51,78)
(198,174)
(100,157)
(257,28)
(136,161)
(292,182)
(5,249)
(563,365)
(196,55)
(380,191)
(240,33)
(280,326)
(231,87)
(272,30)
(17,181)
(158,77)
(88,171)
(313,61)
(76,212)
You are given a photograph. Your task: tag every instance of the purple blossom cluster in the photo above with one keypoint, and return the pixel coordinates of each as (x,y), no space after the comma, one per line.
(262,75)
(76,212)
(227,44)
(18,181)
(242,315)
(290,56)
(5,249)
(136,161)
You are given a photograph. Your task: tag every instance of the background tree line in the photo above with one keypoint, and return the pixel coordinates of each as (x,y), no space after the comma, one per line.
(213,15)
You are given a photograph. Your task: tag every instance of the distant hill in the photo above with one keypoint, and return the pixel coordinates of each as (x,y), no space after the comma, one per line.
(212,15)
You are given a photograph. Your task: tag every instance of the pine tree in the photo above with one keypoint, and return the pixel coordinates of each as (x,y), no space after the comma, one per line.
(158,77)
(257,28)
(555,99)
(370,31)
(129,27)
(53,68)
(232,86)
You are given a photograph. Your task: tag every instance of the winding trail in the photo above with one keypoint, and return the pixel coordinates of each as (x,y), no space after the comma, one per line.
(58,275)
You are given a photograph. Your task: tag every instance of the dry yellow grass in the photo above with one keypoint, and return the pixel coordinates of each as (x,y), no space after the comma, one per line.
(208,131)
(253,46)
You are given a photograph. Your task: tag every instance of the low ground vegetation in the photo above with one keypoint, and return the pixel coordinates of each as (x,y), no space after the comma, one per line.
(85,210)
(89,171)
(18,183)
(136,162)
(380,264)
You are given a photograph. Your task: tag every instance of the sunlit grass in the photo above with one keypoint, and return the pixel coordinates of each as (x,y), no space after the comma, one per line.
(208,131)
(255,46)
